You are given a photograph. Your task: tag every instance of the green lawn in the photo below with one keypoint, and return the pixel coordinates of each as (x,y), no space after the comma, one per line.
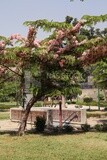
(84,146)
(7,105)
(97,114)
(4,115)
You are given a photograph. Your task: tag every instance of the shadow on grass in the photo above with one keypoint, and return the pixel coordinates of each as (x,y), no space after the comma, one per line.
(4,110)
(102,121)
(54,133)
(11,133)
(46,132)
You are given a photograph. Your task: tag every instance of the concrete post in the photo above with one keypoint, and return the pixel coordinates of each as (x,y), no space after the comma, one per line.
(49,118)
(83,116)
(63,101)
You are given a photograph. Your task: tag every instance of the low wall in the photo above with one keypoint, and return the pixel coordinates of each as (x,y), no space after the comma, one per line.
(16,114)
(51,115)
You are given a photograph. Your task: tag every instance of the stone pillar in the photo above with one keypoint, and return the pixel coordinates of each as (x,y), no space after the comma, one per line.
(83,116)
(49,118)
(63,101)
(49,99)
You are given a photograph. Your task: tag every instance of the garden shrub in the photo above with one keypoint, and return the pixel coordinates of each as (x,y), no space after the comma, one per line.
(101,127)
(88,100)
(40,123)
(105,109)
(97,127)
(68,128)
(85,127)
(38,104)
(101,97)
(56,130)
(63,129)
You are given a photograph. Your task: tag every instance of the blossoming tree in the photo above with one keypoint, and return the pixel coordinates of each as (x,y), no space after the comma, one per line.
(55,62)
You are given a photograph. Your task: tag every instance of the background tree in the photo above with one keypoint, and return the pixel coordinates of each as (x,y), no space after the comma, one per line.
(88,101)
(46,61)
(100,76)
(55,62)
(98,70)
(8,86)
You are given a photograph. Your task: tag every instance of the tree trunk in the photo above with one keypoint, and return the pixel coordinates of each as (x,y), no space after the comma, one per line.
(60,114)
(26,114)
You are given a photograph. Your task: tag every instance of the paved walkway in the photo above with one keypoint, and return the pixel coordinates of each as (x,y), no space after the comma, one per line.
(8,125)
(84,107)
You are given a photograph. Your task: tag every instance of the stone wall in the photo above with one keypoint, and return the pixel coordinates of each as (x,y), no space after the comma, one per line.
(51,115)
(16,114)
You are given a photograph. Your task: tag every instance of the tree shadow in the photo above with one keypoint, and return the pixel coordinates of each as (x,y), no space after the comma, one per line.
(4,110)
(8,132)
(55,132)
(102,121)
(44,133)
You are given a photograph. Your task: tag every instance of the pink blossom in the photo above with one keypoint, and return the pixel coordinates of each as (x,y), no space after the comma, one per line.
(50,41)
(16,36)
(53,42)
(12,36)
(5,52)
(86,52)
(53,45)
(36,43)
(31,28)
(77,27)
(61,50)
(60,34)
(21,54)
(61,62)
(2,44)
(75,43)
(27,43)
(56,56)
(82,42)
(2,70)
(74,38)
(1,52)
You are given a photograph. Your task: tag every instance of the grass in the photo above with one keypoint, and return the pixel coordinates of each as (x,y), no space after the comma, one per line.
(98,114)
(4,109)
(78,146)
(7,105)
(93,103)
(84,146)
(4,115)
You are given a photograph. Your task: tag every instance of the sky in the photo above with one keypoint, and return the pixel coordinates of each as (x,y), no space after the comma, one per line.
(13,13)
